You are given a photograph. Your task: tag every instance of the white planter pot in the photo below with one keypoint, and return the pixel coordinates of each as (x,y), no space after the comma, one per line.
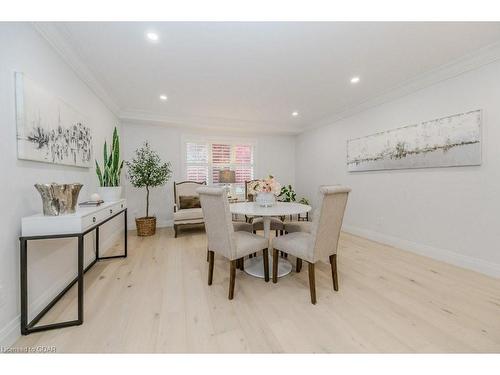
(110,193)
(265,199)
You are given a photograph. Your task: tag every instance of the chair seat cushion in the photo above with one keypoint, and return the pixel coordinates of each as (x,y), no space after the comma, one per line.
(297,226)
(298,244)
(188,214)
(242,226)
(248,243)
(258,223)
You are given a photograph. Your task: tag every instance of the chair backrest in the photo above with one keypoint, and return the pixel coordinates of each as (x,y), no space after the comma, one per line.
(249,186)
(327,220)
(218,221)
(185,188)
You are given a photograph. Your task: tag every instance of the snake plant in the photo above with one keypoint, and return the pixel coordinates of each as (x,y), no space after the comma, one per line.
(109,174)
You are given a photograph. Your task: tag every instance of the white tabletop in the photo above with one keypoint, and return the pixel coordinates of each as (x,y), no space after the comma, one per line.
(278,209)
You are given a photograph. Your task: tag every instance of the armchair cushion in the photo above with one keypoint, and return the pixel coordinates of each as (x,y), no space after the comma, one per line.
(189,201)
(188,214)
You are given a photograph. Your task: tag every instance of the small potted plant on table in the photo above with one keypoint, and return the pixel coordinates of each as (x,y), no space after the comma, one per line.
(147,170)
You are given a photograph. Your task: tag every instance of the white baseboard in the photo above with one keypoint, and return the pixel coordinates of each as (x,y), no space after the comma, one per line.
(460,260)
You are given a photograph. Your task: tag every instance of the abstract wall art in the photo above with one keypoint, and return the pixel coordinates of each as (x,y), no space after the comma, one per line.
(445,142)
(48,129)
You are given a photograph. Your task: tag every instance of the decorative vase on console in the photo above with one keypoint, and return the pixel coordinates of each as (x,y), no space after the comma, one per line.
(109,175)
(266,190)
(59,199)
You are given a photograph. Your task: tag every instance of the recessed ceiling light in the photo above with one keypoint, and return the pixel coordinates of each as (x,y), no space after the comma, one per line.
(163,97)
(152,36)
(295,114)
(354,79)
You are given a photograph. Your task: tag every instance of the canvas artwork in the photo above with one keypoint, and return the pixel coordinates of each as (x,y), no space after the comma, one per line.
(445,142)
(48,129)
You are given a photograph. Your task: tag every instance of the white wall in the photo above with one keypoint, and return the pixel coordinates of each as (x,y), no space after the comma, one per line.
(275,154)
(51,264)
(451,214)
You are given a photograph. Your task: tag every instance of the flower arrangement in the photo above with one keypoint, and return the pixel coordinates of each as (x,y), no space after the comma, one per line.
(267,185)
(266,190)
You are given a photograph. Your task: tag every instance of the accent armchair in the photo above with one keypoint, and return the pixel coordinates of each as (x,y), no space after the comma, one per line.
(186,209)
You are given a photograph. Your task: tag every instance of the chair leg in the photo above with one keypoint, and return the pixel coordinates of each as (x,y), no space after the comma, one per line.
(242,264)
(175,231)
(208,254)
(276,233)
(265,253)
(312,283)
(335,277)
(232,276)
(275,266)
(298,265)
(210,266)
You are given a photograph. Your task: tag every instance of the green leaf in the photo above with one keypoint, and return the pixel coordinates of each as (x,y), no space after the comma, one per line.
(105,153)
(99,174)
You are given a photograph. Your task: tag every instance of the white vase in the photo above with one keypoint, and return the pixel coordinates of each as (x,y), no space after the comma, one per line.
(110,193)
(265,199)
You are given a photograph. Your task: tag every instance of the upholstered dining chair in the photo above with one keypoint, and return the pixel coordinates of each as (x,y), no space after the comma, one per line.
(223,239)
(322,240)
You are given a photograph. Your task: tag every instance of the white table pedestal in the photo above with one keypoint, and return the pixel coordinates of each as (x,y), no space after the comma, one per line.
(255,266)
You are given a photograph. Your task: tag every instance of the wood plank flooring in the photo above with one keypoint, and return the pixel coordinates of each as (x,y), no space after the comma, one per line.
(158,300)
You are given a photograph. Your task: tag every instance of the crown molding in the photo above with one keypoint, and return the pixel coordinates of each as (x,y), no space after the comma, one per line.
(201,122)
(57,37)
(467,63)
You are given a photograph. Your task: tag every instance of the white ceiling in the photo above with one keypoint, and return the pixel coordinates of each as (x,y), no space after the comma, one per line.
(253,75)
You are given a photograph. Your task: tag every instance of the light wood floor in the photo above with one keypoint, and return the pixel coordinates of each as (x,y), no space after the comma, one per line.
(158,300)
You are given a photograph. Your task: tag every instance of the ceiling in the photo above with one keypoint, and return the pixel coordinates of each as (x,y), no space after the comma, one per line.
(254,75)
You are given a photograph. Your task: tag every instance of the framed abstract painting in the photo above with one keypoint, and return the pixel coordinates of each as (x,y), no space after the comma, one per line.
(450,141)
(48,129)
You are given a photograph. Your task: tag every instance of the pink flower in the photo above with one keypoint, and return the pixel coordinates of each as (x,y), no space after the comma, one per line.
(268,185)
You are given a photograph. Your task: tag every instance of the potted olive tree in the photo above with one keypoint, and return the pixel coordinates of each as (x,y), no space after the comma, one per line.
(110,189)
(146,170)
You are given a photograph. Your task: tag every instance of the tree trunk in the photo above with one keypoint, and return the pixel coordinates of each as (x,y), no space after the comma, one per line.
(147,201)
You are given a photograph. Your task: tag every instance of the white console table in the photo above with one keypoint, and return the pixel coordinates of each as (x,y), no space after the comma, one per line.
(40,227)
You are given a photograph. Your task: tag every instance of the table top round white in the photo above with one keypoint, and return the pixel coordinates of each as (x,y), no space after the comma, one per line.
(278,209)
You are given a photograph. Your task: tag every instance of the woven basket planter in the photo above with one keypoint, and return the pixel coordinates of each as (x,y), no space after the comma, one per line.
(146,226)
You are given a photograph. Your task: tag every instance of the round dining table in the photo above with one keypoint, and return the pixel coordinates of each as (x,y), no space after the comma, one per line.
(254,266)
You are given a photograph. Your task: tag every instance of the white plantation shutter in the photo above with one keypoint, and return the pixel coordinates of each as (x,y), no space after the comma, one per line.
(204,160)
(196,161)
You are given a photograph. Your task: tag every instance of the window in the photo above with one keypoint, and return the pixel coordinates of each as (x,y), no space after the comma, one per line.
(204,160)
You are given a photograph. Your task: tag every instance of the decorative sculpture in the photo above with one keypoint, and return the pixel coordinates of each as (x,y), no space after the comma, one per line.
(59,199)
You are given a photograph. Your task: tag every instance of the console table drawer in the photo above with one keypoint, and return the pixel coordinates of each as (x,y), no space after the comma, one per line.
(83,219)
(97,217)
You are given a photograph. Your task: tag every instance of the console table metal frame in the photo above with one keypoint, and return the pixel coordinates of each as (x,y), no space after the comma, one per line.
(29,327)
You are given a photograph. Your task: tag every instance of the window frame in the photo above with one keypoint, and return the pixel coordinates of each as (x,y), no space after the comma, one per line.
(210,140)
